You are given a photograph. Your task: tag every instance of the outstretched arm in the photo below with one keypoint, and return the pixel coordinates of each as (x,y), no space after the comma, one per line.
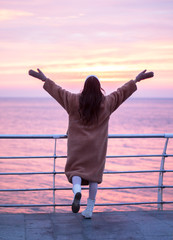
(60,95)
(143,75)
(117,97)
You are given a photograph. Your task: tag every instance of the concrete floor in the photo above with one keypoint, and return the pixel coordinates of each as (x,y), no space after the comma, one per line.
(138,225)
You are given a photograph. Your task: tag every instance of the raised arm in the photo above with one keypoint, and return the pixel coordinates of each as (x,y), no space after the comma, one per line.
(117,97)
(62,96)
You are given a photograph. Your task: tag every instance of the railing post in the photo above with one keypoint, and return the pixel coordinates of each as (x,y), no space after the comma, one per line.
(54,164)
(160,190)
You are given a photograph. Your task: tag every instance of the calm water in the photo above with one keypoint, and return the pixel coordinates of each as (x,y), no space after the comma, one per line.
(45,116)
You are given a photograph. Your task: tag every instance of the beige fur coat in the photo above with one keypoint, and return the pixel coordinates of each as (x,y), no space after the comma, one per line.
(87,145)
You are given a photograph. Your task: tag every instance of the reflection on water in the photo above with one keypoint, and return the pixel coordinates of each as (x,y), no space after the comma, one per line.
(44,116)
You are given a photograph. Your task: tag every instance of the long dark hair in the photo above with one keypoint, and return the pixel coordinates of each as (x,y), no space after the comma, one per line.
(90,100)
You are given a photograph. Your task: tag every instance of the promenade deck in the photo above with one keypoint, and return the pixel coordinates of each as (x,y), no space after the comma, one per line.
(136,225)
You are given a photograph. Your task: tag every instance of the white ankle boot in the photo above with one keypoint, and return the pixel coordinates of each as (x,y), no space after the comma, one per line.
(87,213)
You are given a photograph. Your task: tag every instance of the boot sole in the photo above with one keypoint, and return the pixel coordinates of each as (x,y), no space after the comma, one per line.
(86,216)
(76,202)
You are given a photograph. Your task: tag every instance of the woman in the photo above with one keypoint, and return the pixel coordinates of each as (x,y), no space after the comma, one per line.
(89,114)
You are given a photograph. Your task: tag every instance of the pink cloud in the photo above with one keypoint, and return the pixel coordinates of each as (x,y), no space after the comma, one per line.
(6,14)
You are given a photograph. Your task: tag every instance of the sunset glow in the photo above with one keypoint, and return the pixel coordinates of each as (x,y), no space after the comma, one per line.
(68,40)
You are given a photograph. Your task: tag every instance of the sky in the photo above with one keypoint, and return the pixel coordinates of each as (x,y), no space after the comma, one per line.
(71,39)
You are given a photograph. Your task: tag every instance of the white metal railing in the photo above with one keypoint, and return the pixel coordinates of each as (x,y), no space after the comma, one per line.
(161,172)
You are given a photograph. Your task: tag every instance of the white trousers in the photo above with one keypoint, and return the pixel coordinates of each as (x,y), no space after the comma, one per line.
(76,180)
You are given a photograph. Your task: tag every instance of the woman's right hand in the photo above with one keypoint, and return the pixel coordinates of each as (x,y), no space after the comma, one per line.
(143,75)
(40,75)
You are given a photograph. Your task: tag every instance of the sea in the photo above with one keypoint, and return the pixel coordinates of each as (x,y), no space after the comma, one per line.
(46,116)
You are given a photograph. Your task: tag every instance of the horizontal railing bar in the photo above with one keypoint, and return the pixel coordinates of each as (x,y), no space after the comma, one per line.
(27,190)
(137,171)
(141,155)
(105,172)
(134,187)
(68,205)
(131,203)
(64,156)
(33,205)
(28,173)
(99,188)
(30,136)
(59,136)
(28,157)
(164,135)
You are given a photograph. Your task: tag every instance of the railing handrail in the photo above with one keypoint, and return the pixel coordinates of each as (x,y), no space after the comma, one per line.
(59,136)
(160,185)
